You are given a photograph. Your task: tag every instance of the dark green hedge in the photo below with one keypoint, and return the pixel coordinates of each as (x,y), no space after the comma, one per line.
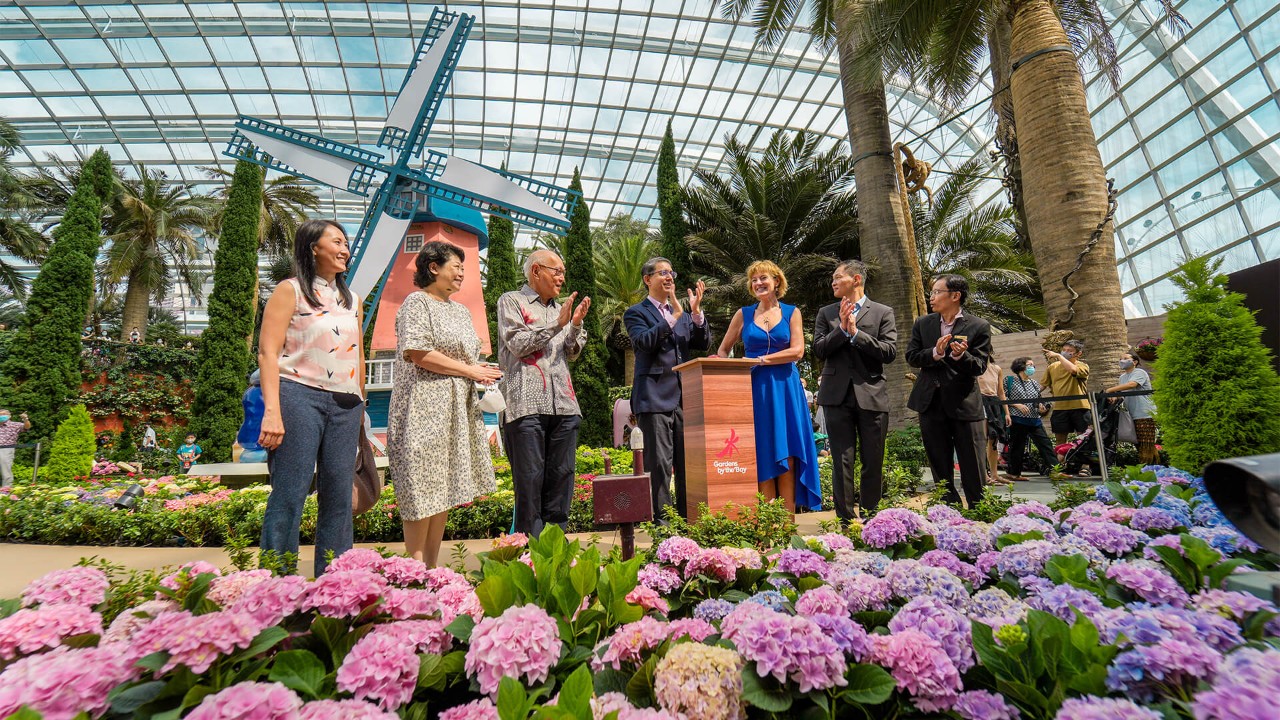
(590,378)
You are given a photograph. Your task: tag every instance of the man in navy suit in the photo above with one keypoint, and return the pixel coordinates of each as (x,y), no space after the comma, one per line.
(662,336)
(952,350)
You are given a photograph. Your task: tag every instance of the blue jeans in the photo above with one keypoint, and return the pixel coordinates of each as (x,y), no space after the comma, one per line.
(321,431)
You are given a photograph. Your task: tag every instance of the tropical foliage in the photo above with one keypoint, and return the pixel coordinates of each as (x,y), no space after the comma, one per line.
(42,371)
(1216,391)
(622,245)
(224,360)
(286,202)
(155,227)
(17,236)
(980,244)
(791,202)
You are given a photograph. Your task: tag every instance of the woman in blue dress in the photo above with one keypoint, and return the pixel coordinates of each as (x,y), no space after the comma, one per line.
(772,332)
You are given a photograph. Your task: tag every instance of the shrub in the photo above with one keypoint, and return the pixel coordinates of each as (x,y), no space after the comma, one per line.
(1216,392)
(767,524)
(224,360)
(502,273)
(73,447)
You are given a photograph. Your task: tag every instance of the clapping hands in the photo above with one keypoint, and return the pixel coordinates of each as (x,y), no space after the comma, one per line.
(568,313)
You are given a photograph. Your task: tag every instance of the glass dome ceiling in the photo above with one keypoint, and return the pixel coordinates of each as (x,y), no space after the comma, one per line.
(1192,138)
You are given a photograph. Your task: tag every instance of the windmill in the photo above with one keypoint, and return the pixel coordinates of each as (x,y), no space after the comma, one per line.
(402,184)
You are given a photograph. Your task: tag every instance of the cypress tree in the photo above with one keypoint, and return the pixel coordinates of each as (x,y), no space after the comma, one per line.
(224,360)
(674,227)
(589,375)
(73,447)
(42,372)
(501,273)
(1216,393)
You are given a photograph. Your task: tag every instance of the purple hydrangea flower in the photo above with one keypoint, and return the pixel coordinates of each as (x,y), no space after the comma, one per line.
(970,540)
(1230,604)
(1096,708)
(864,591)
(894,526)
(1062,600)
(801,562)
(1225,539)
(1033,507)
(791,649)
(945,516)
(996,608)
(1151,671)
(910,578)
(861,561)
(713,609)
(822,600)
(1246,688)
(1148,581)
(940,622)
(1109,537)
(1020,525)
(847,634)
(656,577)
(948,561)
(1153,518)
(771,599)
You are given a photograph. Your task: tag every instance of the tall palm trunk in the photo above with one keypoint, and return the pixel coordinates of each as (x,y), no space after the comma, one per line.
(1065,187)
(882,221)
(998,40)
(137,300)
(628,366)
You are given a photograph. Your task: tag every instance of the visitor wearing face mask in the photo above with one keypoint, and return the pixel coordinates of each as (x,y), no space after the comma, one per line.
(9,430)
(1024,417)
(1066,376)
(1140,407)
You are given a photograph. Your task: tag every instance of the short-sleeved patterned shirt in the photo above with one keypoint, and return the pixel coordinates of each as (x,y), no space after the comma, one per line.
(534,355)
(9,432)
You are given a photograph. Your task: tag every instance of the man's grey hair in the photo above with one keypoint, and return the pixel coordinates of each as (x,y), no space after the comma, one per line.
(537,257)
(651,265)
(853,267)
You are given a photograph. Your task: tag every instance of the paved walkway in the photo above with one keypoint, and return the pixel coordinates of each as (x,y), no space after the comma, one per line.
(24,563)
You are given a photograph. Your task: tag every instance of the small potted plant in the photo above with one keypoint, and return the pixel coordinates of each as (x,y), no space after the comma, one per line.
(1148,348)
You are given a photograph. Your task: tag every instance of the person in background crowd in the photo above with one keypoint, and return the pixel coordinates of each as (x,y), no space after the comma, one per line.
(772,332)
(855,338)
(148,437)
(952,349)
(538,335)
(189,452)
(997,419)
(135,336)
(1140,407)
(662,336)
(1066,376)
(9,430)
(160,342)
(437,447)
(87,333)
(311,357)
(1025,418)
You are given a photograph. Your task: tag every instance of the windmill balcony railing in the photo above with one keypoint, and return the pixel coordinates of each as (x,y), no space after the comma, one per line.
(378,374)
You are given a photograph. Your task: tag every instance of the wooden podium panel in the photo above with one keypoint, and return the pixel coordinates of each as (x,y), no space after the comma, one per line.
(719,433)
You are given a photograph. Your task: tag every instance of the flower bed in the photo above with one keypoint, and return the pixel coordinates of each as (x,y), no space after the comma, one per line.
(1113,609)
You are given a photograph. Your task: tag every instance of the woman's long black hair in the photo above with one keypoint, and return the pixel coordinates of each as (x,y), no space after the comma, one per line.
(304,261)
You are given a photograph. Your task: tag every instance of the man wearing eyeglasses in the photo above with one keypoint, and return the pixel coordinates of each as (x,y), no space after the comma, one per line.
(952,349)
(538,334)
(662,336)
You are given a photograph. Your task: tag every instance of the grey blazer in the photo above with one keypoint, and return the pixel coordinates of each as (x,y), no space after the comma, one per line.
(856,365)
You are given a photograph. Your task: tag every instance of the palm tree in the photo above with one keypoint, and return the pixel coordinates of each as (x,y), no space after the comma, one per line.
(980,244)
(882,218)
(286,202)
(622,245)
(1065,195)
(155,224)
(17,236)
(791,203)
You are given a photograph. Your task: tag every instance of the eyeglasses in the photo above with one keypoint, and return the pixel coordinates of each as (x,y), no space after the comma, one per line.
(941,292)
(555,272)
(667,274)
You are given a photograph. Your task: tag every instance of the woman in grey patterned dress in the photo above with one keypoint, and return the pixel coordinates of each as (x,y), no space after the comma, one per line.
(436,441)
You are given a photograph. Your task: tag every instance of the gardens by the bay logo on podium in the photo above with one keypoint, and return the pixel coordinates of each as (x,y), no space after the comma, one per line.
(724,462)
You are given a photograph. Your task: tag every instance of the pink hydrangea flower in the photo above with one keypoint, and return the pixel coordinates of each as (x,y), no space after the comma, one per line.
(344,710)
(790,648)
(75,586)
(515,540)
(713,563)
(523,643)
(399,570)
(356,559)
(181,578)
(249,701)
(834,541)
(196,641)
(662,579)
(64,682)
(917,662)
(648,598)
(273,599)
(482,709)
(32,629)
(822,600)
(442,577)
(128,623)
(692,628)
(748,558)
(628,644)
(344,593)
(380,668)
(226,590)
(424,636)
(677,550)
(402,604)
(458,599)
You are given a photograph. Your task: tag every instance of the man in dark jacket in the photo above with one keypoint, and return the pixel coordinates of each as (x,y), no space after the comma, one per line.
(952,349)
(855,338)
(662,336)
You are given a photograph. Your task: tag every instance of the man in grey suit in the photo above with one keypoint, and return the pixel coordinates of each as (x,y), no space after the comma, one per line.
(855,338)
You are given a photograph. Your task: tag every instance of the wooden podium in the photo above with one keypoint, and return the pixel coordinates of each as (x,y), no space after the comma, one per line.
(719,433)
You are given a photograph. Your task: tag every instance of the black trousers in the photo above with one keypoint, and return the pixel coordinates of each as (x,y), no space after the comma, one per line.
(850,427)
(1018,435)
(944,436)
(663,452)
(542,449)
